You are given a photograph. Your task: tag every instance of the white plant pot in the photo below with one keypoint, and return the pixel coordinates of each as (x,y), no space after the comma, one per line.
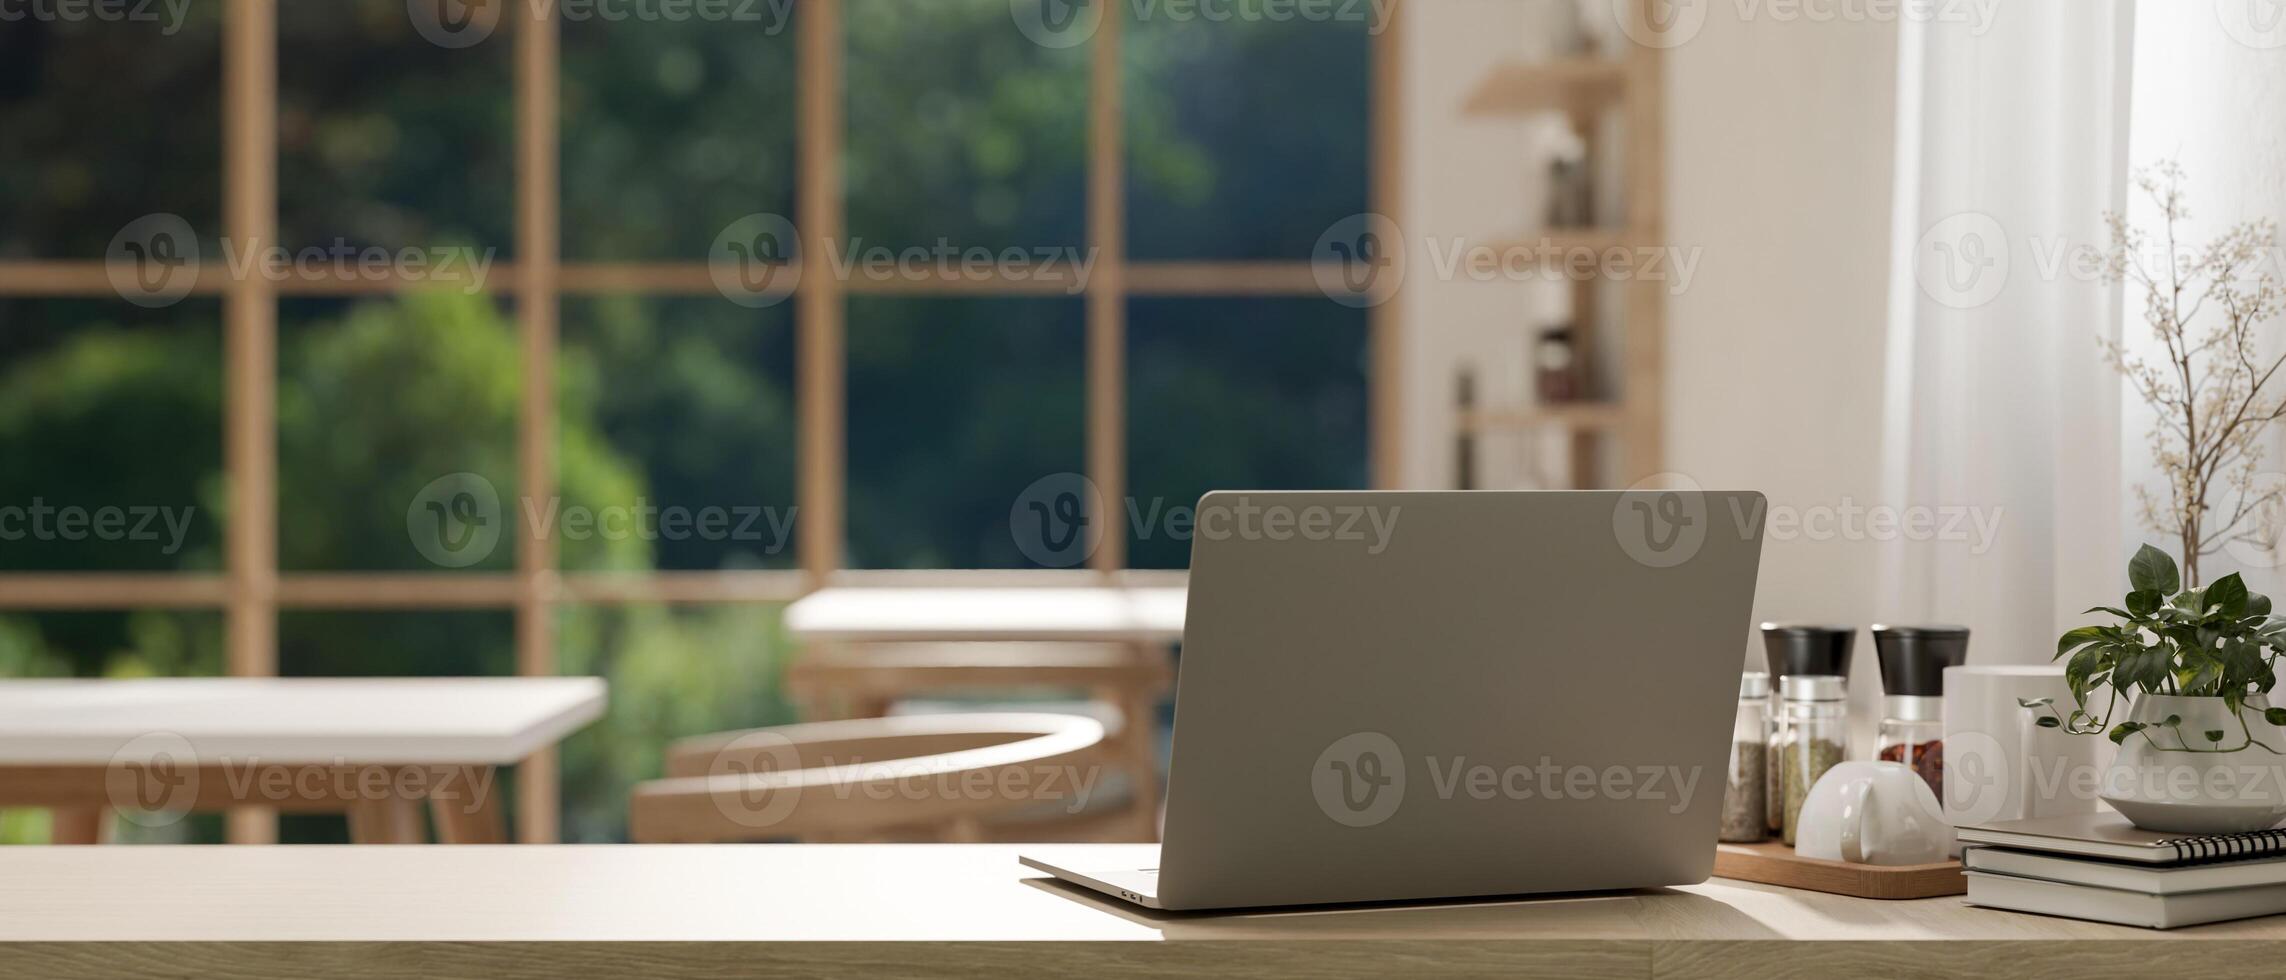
(2160,786)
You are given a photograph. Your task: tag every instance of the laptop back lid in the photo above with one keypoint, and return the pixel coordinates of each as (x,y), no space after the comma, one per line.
(1402,695)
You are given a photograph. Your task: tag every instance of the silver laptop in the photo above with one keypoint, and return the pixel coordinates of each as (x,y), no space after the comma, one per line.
(1391,696)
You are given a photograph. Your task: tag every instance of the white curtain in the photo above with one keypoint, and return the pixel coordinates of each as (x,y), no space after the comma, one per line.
(2210,94)
(2011,143)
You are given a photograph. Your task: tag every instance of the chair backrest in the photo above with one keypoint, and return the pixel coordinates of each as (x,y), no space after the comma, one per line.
(843,778)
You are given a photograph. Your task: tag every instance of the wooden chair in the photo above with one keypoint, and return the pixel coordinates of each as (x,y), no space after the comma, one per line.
(936,776)
(845,680)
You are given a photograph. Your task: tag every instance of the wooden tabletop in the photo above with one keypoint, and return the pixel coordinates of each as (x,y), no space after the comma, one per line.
(293,721)
(963,910)
(1099,614)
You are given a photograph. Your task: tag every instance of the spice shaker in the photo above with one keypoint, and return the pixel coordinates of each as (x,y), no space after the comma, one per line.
(1817,732)
(1796,648)
(1913,662)
(1801,648)
(1744,796)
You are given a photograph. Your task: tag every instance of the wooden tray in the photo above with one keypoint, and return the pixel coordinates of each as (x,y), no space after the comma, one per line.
(1773,863)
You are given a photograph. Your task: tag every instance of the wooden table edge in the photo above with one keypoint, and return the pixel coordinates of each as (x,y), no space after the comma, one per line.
(1774,958)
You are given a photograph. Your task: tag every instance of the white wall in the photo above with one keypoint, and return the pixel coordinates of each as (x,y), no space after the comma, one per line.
(1779,136)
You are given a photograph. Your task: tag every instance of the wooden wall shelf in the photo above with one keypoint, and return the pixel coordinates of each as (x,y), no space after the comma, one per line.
(1523,88)
(1588,416)
(1616,437)
(1558,243)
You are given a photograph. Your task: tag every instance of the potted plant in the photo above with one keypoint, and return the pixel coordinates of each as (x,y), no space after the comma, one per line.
(2200,749)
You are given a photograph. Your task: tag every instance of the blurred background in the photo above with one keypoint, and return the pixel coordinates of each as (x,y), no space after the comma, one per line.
(863,278)
(958,129)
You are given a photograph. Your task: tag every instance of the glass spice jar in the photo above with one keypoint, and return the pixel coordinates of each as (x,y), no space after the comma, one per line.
(1744,795)
(1913,662)
(1912,732)
(1795,648)
(1817,738)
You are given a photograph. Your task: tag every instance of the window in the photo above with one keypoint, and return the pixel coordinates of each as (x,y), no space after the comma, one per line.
(544,341)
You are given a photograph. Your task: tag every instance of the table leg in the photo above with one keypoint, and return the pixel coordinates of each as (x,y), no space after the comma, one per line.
(79,825)
(380,813)
(466,808)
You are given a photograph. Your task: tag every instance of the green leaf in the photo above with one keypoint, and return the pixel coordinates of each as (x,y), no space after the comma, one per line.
(2142,668)
(2213,734)
(2076,638)
(2275,716)
(2079,674)
(2048,721)
(2114,610)
(2228,592)
(2151,570)
(2143,602)
(2034,702)
(2172,720)
(2120,731)
(2257,604)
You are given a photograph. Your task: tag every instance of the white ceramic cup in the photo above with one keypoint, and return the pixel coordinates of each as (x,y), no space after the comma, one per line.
(1872,813)
(1999,764)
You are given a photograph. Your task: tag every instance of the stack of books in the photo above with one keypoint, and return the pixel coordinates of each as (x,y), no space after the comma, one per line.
(2100,867)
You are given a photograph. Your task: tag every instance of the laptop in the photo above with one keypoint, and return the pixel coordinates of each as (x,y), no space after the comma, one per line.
(1391,696)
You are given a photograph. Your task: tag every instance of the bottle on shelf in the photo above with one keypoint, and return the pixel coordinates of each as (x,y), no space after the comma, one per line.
(1464,445)
(1571,181)
(1555,366)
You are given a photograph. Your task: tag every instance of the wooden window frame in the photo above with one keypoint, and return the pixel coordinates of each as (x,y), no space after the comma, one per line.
(251,590)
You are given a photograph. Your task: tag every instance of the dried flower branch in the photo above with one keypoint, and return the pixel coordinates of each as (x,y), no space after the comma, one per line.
(2211,391)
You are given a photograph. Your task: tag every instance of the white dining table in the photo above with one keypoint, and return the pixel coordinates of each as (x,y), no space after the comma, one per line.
(1105,614)
(377,749)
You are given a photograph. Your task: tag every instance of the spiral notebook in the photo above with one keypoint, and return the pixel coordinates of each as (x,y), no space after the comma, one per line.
(2109,835)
